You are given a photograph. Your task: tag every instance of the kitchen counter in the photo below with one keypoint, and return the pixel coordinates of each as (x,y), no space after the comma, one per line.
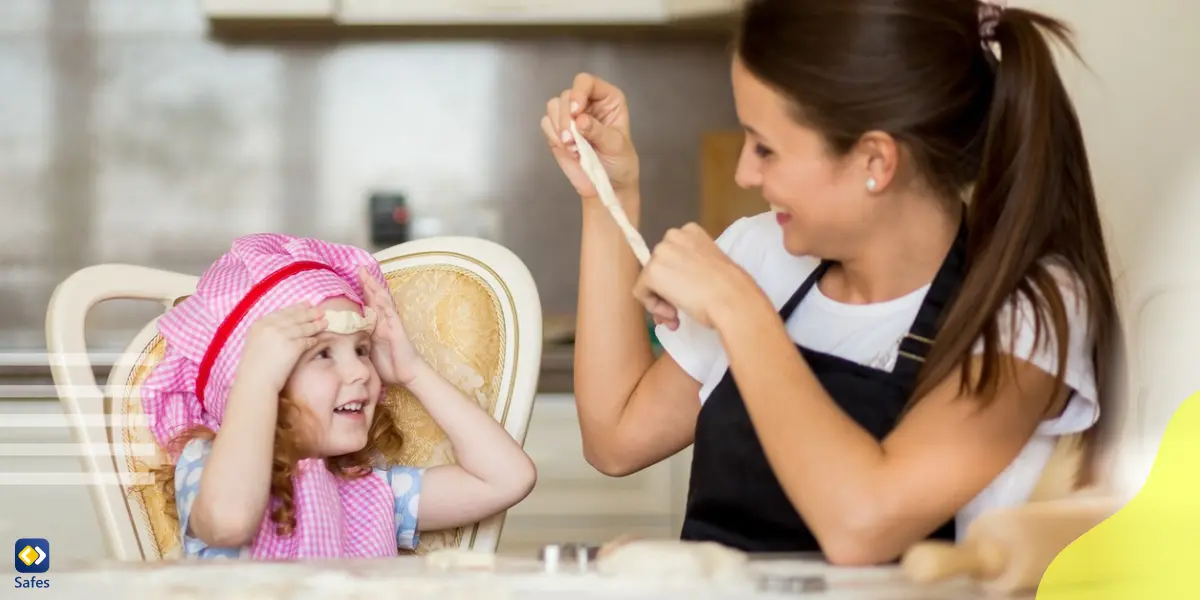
(512,578)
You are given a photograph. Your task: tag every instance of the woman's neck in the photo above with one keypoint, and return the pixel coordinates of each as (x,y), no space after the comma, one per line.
(902,255)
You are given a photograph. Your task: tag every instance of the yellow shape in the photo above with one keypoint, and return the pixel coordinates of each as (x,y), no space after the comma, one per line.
(28,555)
(1148,549)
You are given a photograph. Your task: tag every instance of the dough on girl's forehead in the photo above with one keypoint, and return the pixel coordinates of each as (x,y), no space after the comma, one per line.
(346,321)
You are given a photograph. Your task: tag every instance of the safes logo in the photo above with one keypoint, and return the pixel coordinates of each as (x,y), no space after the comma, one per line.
(31,555)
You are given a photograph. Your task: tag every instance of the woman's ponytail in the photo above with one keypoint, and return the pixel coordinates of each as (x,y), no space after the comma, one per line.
(1033,199)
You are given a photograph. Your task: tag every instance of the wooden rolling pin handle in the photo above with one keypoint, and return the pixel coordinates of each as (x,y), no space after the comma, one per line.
(932,561)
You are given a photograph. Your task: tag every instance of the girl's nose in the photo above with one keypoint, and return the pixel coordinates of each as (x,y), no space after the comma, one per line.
(354,371)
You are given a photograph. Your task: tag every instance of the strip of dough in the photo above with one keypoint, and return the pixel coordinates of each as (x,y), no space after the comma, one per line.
(594,170)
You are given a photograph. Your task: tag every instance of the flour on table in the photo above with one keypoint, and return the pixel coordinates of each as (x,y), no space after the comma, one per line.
(456,558)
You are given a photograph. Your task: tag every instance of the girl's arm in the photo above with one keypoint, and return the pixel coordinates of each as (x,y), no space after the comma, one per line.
(493,471)
(236,480)
(235,484)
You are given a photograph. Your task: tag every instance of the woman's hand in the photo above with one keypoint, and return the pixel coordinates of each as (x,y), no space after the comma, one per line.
(393,353)
(688,272)
(601,116)
(277,340)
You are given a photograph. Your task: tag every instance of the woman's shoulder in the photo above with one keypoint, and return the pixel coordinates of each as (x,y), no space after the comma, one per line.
(755,243)
(751,235)
(1026,333)
(1020,309)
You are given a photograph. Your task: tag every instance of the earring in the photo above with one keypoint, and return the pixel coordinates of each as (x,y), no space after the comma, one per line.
(871,184)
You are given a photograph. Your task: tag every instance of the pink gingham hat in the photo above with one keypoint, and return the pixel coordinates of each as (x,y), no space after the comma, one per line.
(204,338)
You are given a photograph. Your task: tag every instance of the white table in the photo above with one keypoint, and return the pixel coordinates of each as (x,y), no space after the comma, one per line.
(408,578)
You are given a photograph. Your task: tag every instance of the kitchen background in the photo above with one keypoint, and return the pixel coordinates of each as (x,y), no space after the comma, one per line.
(129,134)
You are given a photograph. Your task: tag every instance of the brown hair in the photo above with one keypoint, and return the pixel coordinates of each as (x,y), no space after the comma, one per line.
(384,438)
(918,70)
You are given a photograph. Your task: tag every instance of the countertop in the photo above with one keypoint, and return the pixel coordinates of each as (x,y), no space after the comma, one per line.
(511,578)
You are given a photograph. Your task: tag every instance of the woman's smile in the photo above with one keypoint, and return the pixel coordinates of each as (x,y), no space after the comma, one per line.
(782,217)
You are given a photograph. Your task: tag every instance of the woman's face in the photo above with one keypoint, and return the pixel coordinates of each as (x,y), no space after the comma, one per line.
(821,201)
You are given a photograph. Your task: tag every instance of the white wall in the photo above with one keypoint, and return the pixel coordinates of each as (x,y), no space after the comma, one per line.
(1138,98)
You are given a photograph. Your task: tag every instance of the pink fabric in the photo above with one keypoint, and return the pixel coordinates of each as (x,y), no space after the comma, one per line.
(334,516)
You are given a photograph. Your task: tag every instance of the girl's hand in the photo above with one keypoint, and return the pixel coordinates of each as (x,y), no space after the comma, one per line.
(599,111)
(688,272)
(393,353)
(277,340)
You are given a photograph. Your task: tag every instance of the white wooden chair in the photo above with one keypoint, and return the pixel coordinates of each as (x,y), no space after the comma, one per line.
(469,305)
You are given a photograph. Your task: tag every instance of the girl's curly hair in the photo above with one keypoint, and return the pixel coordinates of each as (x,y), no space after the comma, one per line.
(384,439)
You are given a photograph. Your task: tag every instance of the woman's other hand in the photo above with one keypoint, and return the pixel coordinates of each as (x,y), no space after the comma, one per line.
(689,273)
(602,117)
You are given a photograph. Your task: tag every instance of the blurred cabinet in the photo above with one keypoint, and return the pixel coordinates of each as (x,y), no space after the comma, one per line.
(270,9)
(573,502)
(722,201)
(689,9)
(498,12)
(43,493)
(473,12)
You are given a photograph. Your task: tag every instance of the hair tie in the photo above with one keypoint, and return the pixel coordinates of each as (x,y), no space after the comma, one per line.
(990,13)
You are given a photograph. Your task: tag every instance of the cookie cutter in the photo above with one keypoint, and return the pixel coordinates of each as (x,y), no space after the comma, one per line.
(555,557)
(792,584)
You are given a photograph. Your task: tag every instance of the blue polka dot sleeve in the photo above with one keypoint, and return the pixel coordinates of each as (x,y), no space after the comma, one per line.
(187,485)
(406,487)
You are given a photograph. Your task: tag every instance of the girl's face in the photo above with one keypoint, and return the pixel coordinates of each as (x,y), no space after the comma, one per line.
(821,201)
(338,387)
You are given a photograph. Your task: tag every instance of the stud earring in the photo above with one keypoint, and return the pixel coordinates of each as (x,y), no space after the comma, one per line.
(871,184)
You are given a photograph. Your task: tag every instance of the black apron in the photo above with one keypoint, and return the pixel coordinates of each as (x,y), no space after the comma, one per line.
(733,495)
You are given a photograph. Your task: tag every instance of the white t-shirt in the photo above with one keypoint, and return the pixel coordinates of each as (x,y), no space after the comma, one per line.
(870,334)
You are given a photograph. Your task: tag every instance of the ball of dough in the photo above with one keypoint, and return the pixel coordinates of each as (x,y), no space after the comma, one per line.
(671,559)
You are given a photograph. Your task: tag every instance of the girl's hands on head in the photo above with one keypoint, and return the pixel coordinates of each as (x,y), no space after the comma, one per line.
(277,340)
(602,117)
(393,353)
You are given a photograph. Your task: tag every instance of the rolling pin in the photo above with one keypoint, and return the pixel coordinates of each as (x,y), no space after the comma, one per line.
(1008,550)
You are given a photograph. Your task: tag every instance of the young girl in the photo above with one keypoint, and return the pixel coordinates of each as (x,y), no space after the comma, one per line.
(276,422)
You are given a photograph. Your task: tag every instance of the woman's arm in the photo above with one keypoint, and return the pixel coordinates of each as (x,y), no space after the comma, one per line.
(236,481)
(867,502)
(633,411)
(493,471)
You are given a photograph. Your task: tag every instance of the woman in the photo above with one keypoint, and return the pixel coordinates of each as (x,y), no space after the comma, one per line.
(873,362)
